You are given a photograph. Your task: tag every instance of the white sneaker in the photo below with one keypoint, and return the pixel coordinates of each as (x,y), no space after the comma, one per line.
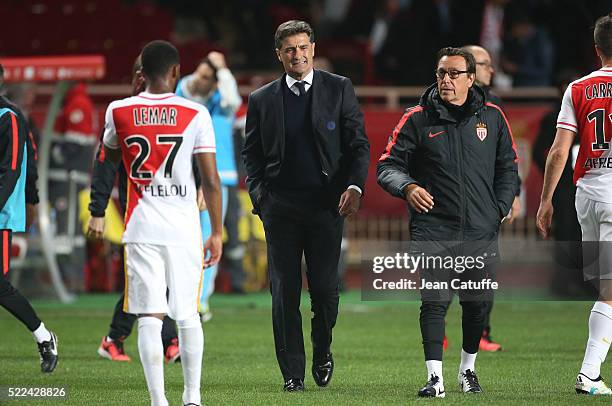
(468,382)
(587,386)
(433,388)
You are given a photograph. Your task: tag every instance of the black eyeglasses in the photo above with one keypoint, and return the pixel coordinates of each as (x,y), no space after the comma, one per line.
(453,74)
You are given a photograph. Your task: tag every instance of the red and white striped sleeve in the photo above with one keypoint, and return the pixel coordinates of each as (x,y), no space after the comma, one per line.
(110,138)
(567,114)
(205,135)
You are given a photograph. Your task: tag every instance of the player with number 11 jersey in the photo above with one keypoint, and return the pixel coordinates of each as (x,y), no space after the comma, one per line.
(586,110)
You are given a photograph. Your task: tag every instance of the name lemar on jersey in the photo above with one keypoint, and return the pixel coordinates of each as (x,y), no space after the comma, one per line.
(155,116)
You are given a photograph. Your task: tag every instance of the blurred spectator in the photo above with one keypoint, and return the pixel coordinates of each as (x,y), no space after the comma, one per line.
(213,85)
(77,127)
(492,34)
(71,160)
(484,71)
(528,53)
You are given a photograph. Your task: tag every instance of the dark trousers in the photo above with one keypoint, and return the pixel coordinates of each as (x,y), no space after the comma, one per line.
(476,306)
(10,298)
(122,324)
(486,331)
(293,230)
(432,326)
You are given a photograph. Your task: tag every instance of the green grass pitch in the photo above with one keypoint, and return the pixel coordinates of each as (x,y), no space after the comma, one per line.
(377,349)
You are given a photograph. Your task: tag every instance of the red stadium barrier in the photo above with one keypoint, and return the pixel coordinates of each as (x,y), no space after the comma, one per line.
(53,68)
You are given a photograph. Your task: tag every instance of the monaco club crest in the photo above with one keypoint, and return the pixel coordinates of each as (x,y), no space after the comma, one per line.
(481,131)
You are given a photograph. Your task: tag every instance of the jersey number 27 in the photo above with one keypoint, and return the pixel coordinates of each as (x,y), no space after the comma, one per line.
(137,170)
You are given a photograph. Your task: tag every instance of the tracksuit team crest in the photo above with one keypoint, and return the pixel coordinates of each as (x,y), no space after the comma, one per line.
(481,131)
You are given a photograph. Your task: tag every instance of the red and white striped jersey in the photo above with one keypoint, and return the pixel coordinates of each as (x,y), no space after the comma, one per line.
(158,134)
(587,110)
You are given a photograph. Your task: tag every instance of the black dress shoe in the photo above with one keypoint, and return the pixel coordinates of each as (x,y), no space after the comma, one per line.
(294,385)
(323,369)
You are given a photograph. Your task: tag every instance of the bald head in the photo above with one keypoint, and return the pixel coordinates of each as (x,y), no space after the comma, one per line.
(484,64)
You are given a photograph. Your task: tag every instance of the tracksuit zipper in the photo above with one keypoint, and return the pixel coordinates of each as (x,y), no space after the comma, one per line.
(461,182)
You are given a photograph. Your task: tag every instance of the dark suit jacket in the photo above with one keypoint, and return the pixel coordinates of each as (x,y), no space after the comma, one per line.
(338,127)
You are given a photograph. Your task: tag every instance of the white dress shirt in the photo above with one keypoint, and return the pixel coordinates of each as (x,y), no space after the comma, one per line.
(306,80)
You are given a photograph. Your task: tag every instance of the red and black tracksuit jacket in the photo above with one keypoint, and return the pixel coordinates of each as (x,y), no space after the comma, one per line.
(464,157)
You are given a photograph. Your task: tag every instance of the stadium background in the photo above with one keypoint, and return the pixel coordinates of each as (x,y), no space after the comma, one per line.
(389,75)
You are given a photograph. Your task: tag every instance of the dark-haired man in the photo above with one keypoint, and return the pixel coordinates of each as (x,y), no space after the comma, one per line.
(306,156)
(213,85)
(102,181)
(586,110)
(157,133)
(17,187)
(452,159)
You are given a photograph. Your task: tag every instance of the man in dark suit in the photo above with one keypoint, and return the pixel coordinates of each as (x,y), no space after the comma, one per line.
(306,156)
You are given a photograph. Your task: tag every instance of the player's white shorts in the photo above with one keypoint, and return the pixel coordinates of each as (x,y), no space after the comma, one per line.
(595,220)
(151,269)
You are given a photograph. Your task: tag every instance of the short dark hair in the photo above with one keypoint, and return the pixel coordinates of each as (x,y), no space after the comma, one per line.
(602,34)
(157,58)
(470,61)
(213,67)
(292,27)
